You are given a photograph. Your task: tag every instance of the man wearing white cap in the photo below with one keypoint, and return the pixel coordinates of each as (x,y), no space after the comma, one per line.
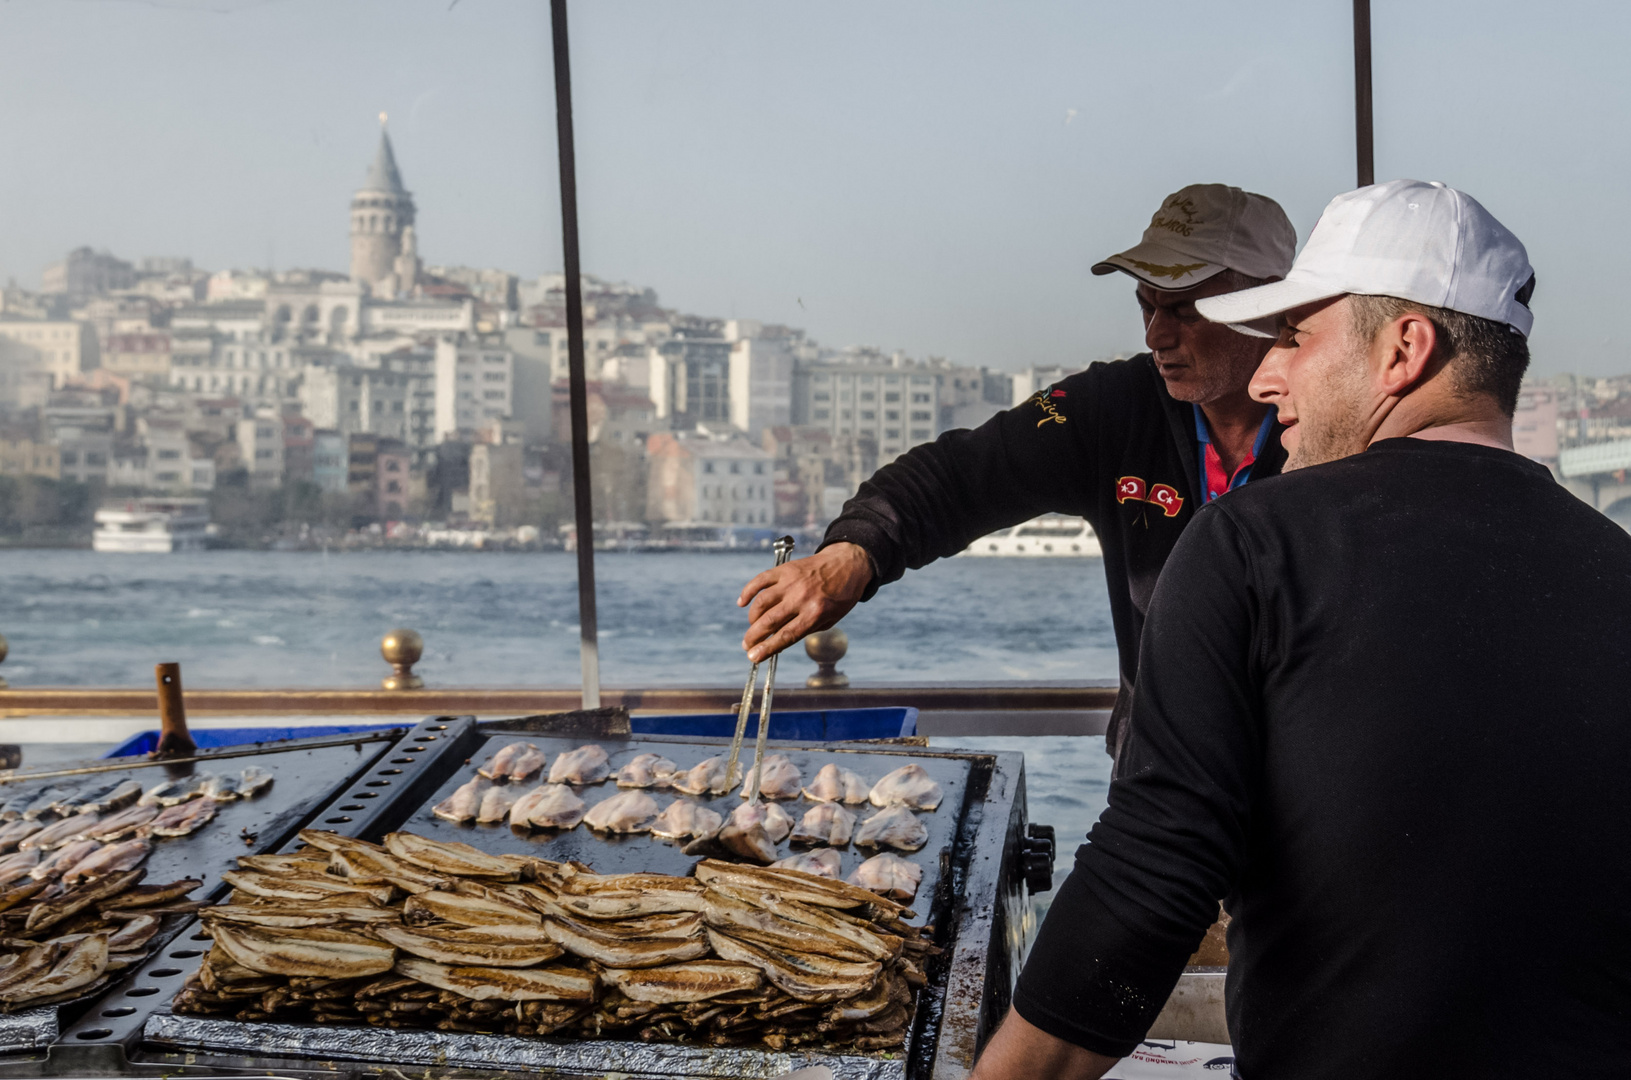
(1134,446)
(1381,709)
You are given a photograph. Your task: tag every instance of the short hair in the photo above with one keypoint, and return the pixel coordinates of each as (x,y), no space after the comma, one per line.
(1483,356)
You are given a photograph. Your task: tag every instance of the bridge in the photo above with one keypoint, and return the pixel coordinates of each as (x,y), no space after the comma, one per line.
(1600,474)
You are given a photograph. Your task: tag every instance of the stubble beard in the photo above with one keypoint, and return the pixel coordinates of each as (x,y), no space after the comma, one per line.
(1335,429)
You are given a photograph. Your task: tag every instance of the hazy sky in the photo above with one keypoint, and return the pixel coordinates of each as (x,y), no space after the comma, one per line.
(936,177)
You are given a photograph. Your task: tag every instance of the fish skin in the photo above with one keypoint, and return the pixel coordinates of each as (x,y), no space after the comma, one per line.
(871,944)
(222,788)
(495,805)
(83,964)
(745,833)
(134,933)
(123,794)
(591,943)
(503,984)
(44,799)
(814,979)
(910,786)
(834,783)
(697,980)
(374,867)
(113,859)
(825,823)
(15,867)
(124,823)
(297,915)
(181,819)
(823,862)
(706,777)
(778,778)
(645,771)
(172,792)
(254,780)
(630,811)
(465,802)
(731,912)
(794,886)
(61,832)
(49,913)
(12,809)
(514,763)
(452,857)
(288,887)
(310,952)
(588,764)
(548,806)
(465,910)
(63,859)
(298,863)
(17,894)
(466,947)
(151,895)
(889,875)
(895,827)
(686,817)
(331,841)
(15,832)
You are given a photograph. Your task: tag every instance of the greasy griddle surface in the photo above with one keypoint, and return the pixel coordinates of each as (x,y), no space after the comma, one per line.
(611,853)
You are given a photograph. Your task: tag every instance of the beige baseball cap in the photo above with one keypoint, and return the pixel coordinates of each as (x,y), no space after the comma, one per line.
(1204,229)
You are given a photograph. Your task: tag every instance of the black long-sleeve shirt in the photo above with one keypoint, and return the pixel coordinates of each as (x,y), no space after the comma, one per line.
(1108,444)
(1383,714)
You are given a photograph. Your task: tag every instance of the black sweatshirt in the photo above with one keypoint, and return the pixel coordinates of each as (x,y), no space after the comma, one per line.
(1070,449)
(1383,714)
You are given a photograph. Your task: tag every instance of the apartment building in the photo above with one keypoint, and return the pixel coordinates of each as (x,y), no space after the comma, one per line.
(474,384)
(708,477)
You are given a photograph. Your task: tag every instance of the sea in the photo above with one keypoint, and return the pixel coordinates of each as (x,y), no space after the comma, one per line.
(299,619)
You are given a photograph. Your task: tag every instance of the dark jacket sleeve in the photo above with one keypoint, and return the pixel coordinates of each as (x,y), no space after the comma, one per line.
(1172,840)
(937,498)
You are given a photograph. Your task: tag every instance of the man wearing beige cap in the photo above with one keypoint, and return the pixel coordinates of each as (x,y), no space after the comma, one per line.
(1134,446)
(1381,710)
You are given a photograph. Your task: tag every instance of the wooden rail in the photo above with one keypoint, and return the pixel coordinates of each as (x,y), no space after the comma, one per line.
(945,697)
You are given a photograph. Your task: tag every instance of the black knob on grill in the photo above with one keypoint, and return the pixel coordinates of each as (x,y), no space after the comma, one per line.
(1036,857)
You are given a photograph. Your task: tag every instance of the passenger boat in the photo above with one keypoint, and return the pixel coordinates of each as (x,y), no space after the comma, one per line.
(152,526)
(1051,536)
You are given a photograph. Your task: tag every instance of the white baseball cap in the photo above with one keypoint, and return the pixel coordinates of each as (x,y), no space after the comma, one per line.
(1408,239)
(1203,230)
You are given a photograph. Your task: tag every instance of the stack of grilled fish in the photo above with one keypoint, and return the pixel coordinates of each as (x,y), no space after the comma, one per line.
(417,933)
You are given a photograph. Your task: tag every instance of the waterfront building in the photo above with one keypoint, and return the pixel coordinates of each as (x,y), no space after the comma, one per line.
(331,462)
(37,355)
(87,273)
(392,471)
(298,449)
(356,400)
(690,377)
(707,477)
(890,401)
(474,384)
(497,483)
(23,455)
(260,448)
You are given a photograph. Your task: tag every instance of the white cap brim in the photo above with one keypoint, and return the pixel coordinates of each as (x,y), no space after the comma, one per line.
(1160,267)
(1240,309)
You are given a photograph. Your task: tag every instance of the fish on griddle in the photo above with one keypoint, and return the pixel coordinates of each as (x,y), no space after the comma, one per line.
(805,976)
(174,792)
(503,984)
(909,786)
(612,947)
(253,780)
(135,933)
(697,980)
(451,857)
(16,866)
(834,783)
(778,778)
(895,827)
(496,803)
(646,771)
(686,818)
(889,875)
(629,811)
(112,798)
(759,917)
(754,830)
(16,832)
(222,788)
(835,894)
(517,762)
(63,859)
(548,806)
(48,913)
(368,867)
(112,859)
(466,909)
(823,862)
(510,946)
(181,819)
(44,801)
(825,823)
(306,952)
(587,764)
(80,965)
(59,833)
(16,802)
(145,896)
(706,777)
(465,802)
(124,823)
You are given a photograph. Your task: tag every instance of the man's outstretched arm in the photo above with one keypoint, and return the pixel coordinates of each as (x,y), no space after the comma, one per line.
(1021,1051)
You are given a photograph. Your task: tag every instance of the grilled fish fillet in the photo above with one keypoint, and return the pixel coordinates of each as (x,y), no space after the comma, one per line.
(835,784)
(472,946)
(465,802)
(889,875)
(376,867)
(330,841)
(586,765)
(792,886)
(460,860)
(49,913)
(54,866)
(54,836)
(778,778)
(908,785)
(16,866)
(514,763)
(896,827)
(646,771)
(303,862)
(768,923)
(495,804)
(294,916)
(143,896)
(626,812)
(823,862)
(134,933)
(816,979)
(548,806)
(172,792)
(124,823)
(253,780)
(698,980)
(707,777)
(319,952)
(290,887)
(684,818)
(503,984)
(113,859)
(614,950)
(181,819)
(463,910)
(81,965)
(826,823)
(16,832)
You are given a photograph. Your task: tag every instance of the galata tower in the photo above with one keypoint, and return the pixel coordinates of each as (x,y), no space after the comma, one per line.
(380,211)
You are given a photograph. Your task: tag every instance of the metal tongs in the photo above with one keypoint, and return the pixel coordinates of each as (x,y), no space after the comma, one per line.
(784,551)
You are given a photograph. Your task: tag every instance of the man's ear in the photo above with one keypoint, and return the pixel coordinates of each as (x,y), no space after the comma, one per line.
(1404,351)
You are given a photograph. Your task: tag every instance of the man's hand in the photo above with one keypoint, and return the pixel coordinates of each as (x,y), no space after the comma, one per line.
(802,596)
(1020,1051)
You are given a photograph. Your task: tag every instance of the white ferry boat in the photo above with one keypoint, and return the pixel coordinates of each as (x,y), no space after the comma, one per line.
(152,525)
(1049,536)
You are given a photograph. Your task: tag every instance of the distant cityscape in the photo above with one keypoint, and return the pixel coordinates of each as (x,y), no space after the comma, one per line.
(415,403)
(405,403)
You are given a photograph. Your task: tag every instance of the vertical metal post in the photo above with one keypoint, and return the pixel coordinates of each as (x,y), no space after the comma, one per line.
(583,504)
(1363,126)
